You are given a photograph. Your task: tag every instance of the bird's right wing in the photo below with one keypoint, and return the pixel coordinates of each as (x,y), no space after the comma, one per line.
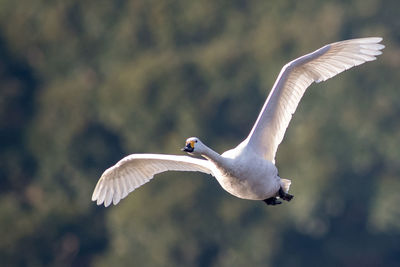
(137,169)
(292,82)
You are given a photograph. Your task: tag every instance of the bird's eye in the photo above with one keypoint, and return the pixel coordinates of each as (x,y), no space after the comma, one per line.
(195,141)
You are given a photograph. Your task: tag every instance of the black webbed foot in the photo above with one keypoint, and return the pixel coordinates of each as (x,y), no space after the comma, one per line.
(283,195)
(272,201)
(275,200)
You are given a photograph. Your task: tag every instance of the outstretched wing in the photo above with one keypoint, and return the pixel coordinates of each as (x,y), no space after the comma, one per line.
(137,169)
(292,82)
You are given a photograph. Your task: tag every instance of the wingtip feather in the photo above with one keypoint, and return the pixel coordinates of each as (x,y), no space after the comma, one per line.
(97,190)
(109,196)
(94,195)
(369,40)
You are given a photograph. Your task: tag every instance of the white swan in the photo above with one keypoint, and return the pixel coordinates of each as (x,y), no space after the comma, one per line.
(247,171)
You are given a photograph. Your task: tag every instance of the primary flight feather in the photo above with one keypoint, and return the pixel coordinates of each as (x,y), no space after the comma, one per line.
(247,171)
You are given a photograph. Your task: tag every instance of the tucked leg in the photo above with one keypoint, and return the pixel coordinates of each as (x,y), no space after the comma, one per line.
(285,196)
(272,201)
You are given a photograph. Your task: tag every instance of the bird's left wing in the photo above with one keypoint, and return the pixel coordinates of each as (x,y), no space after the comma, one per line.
(137,169)
(292,82)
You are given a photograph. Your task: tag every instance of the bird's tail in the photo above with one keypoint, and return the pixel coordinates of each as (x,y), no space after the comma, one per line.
(285,184)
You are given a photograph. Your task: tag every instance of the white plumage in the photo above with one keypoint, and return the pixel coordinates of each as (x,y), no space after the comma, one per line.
(247,171)
(137,169)
(293,81)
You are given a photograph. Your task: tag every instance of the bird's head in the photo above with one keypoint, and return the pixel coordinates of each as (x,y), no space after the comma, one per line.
(193,145)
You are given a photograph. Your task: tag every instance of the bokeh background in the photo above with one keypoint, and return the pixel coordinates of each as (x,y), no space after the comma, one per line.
(84,83)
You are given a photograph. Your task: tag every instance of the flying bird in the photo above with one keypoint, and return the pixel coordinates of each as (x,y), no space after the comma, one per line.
(247,171)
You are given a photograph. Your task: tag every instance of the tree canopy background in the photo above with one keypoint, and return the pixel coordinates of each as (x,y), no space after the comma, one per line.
(84,83)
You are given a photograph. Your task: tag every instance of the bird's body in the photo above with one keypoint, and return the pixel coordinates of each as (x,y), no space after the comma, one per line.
(248,171)
(245,175)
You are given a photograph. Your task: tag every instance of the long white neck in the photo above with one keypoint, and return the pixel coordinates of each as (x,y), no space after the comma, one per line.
(210,154)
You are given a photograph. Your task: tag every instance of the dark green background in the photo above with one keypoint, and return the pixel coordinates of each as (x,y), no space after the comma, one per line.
(84,83)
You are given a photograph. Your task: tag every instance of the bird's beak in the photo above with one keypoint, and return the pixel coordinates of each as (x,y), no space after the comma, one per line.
(188,148)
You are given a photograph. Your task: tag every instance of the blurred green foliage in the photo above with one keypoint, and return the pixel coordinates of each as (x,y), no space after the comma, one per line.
(84,83)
